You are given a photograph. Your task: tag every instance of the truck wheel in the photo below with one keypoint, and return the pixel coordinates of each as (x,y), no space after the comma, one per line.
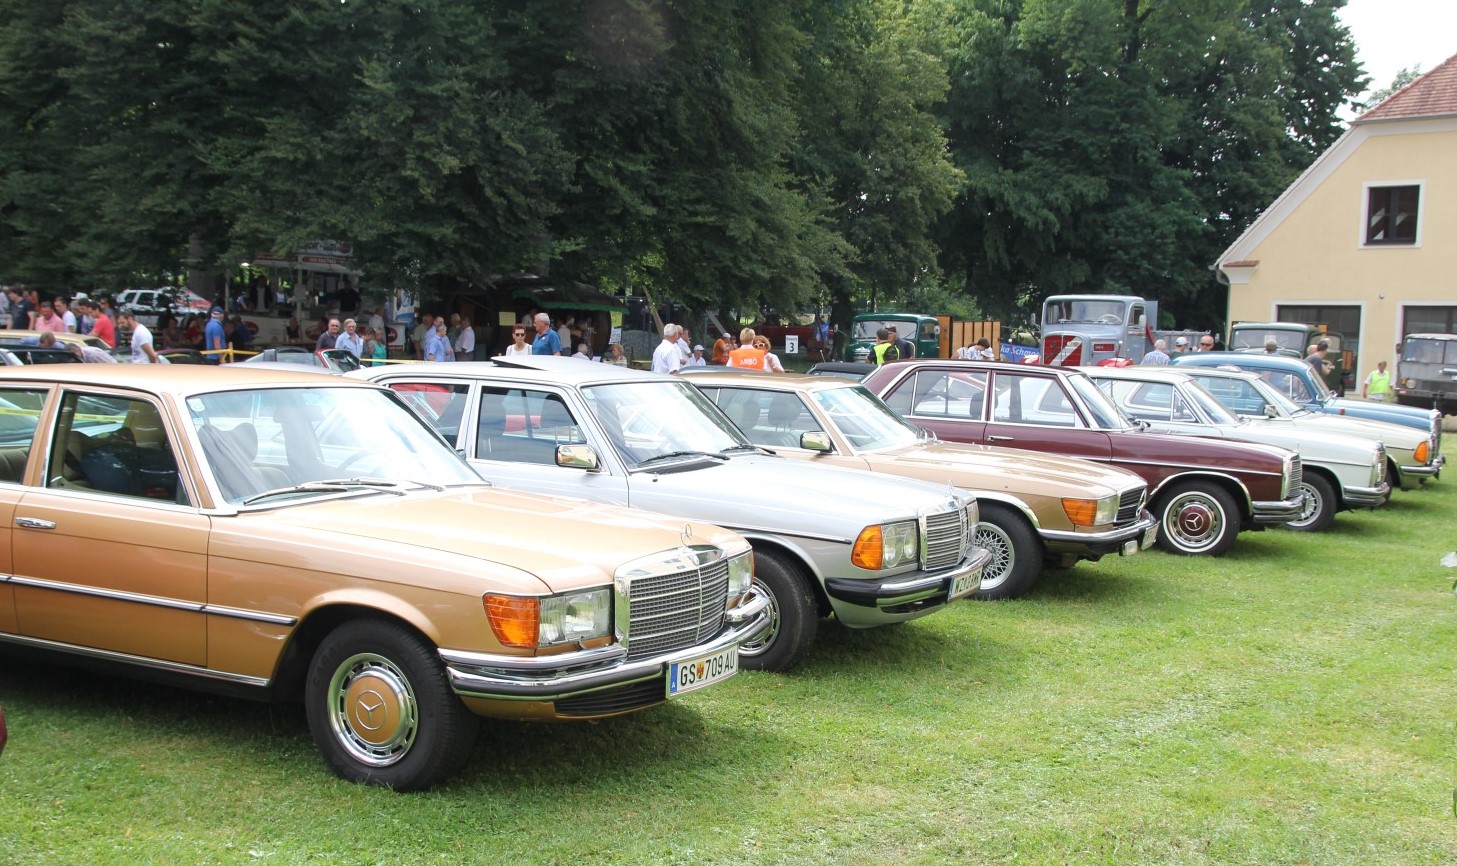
(1321,503)
(1016,554)
(381,709)
(792,617)
(1197,517)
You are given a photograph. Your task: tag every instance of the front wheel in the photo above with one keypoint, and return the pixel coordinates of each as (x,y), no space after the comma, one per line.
(1016,554)
(1197,517)
(1320,505)
(381,709)
(792,617)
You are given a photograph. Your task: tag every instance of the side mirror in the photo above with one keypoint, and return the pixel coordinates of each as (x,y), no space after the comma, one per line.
(816,440)
(577,457)
(1272,412)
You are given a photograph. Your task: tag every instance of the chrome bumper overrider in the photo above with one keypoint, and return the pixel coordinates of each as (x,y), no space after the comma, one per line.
(549,678)
(1278,511)
(1366,497)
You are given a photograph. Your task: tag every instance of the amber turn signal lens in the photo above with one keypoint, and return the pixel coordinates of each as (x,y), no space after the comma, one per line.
(869,550)
(1421,453)
(516,621)
(1082,512)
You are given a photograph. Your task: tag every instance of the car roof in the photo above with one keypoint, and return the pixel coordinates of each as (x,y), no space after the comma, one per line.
(1431,336)
(178,380)
(16,336)
(1255,359)
(1144,373)
(546,369)
(772,381)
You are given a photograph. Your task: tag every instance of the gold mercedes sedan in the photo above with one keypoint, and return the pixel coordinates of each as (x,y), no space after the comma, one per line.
(290,537)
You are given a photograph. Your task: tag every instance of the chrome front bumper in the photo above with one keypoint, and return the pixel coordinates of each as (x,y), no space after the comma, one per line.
(550,678)
(1098,543)
(1366,497)
(906,592)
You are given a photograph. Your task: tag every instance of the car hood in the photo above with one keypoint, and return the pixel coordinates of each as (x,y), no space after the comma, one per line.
(1391,434)
(524,541)
(1407,416)
(1012,470)
(1311,441)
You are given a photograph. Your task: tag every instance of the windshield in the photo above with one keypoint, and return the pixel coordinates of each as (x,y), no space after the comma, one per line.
(1105,413)
(1254,338)
(267,439)
(1423,350)
(646,421)
(1057,312)
(863,419)
(865,329)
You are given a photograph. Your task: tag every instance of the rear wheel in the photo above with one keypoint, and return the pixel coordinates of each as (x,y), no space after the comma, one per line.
(793,620)
(381,709)
(1016,554)
(1321,503)
(1197,517)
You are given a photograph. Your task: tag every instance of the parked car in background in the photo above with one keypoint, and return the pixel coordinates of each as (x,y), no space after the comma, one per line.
(1339,472)
(15,355)
(1294,340)
(1035,508)
(32,338)
(333,360)
(852,370)
(1426,374)
(285,535)
(1296,380)
(150,304)
(1409,454)
(871,550)
(1203,491)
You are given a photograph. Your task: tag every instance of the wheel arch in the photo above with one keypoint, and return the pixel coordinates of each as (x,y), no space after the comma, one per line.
(1231,485)
(293,663)
(798,560)
(1330,478)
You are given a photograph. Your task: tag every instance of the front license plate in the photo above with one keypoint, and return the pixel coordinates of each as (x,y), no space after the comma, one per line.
(693,674)
(1150,535)
(964,584)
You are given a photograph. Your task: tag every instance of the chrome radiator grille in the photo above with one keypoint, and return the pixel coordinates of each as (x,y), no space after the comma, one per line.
(1130,505)
(946,534)
(1380,465)
(669,612)
(1297,474)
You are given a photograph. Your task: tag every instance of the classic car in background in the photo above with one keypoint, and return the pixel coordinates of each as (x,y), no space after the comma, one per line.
(1035,508)
(888,551)
(1409,452)
(1203,491)
(397,594)
(1338,472)
(1298,381)
(333,360)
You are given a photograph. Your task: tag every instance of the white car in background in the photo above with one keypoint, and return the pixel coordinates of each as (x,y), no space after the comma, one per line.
(1340,472)
(148,304)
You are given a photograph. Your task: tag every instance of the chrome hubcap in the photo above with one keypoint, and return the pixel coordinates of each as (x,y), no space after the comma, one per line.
(760,642)
(1193,522)
(372,710)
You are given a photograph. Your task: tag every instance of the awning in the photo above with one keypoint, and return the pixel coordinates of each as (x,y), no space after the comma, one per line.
(574,297)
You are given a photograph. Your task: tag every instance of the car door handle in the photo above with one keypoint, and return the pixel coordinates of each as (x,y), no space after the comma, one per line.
(1000,438)
(34,523)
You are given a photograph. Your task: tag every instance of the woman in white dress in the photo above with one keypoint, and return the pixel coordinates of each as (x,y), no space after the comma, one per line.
(518,346)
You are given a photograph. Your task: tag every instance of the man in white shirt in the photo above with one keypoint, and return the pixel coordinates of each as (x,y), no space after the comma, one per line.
(142,351)
(465,341)
(696,359)
(667,358)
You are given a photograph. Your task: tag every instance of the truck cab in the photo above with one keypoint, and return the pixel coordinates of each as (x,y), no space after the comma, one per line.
(1426,375)
(922,330)
(1294,339)
(1086,330)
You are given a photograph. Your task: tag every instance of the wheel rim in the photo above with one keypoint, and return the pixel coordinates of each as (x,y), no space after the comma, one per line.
(1310,509)
(1193,521)
(1004,557)
(372,710)
(760,642)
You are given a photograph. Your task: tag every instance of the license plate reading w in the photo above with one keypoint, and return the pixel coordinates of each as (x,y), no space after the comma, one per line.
(695,673)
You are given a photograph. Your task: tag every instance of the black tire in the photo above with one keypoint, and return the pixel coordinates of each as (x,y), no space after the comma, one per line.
(1321,504)
(793,619)
(380,673)
(1197,518)
(1016,554)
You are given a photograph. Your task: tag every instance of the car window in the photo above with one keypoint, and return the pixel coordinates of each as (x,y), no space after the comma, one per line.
(19,415)
(1040,400)
(1148,401)
(114,445)
(864,419)
(441,403)
(774,419)
(521,425)
(951,394)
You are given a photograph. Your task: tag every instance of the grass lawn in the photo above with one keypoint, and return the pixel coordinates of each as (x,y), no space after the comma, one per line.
(1290,703)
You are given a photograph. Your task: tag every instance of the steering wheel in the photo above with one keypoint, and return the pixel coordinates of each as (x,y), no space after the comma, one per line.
(1110,318)
(352,459)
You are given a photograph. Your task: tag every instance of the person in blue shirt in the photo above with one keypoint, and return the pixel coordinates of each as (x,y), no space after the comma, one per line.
(546,342)
(213,338)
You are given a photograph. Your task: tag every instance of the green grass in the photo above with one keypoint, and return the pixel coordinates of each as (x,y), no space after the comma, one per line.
(1290,703)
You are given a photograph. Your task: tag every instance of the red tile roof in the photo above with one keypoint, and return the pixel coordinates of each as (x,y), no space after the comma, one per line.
(1433,94)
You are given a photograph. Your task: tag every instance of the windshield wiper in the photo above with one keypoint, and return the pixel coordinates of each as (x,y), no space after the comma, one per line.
(674,454)
(338,485)
(755,448)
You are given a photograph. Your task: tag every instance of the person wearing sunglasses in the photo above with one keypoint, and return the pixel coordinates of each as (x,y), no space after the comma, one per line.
(518,346)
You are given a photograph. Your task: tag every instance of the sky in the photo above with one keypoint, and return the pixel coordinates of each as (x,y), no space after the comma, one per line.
(1393,34)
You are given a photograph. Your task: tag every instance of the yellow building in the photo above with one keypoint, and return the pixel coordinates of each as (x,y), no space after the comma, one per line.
(1365,241)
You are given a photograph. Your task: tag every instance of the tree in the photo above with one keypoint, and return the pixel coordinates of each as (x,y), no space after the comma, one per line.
(1406,75)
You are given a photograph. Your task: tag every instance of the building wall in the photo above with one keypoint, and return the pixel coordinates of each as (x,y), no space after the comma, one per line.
(1311,248)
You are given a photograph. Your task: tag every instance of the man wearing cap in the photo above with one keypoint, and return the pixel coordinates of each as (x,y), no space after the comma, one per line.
(721,348)
(696,359)
(1181,345)
(905,347)
(214,341)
